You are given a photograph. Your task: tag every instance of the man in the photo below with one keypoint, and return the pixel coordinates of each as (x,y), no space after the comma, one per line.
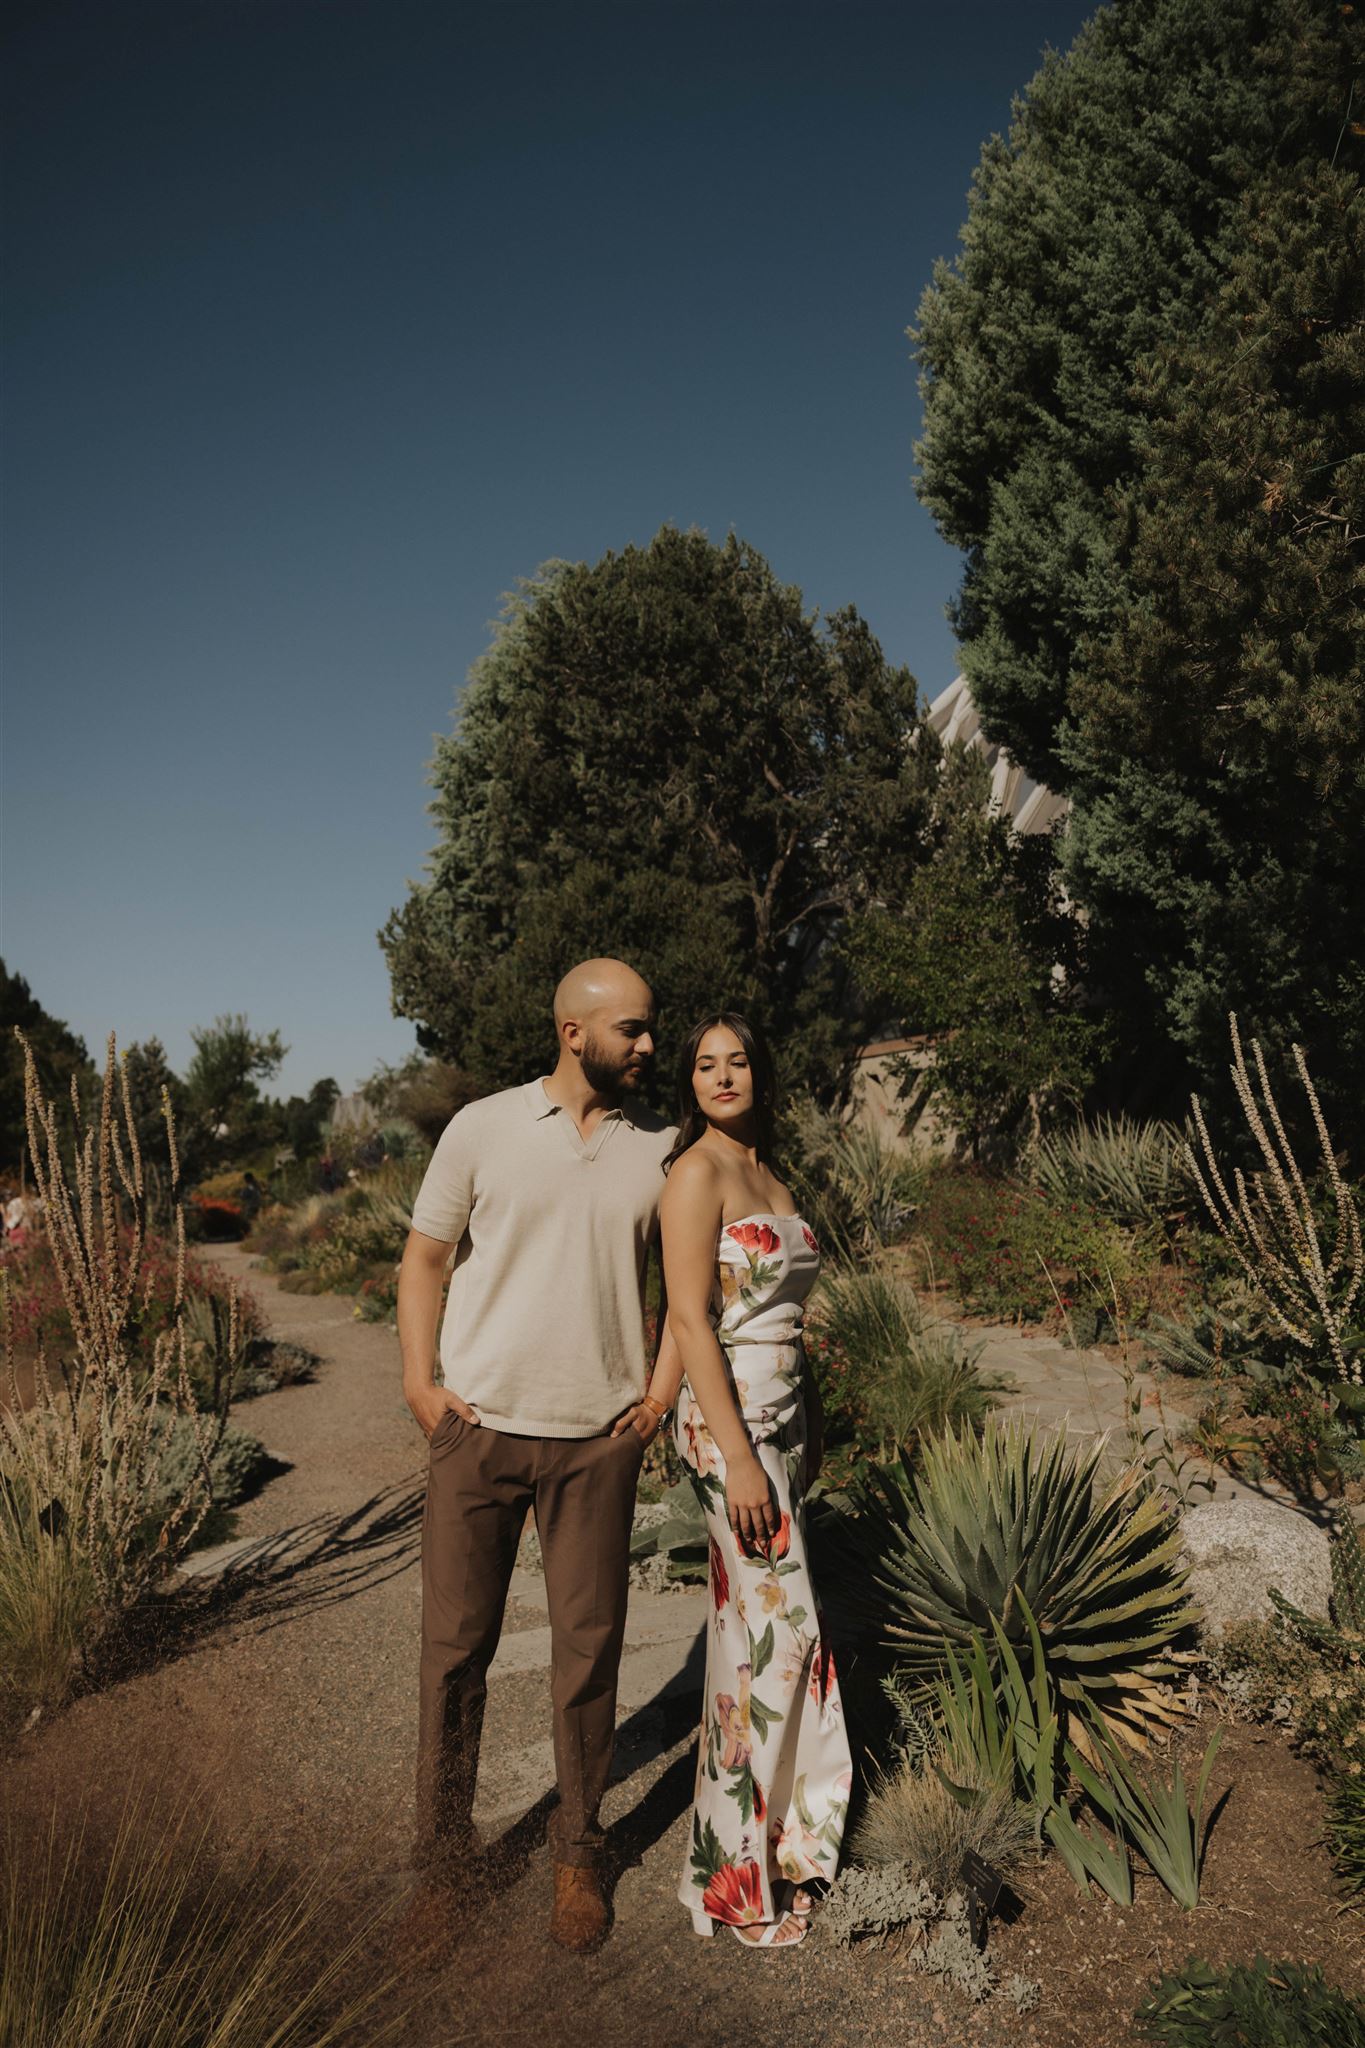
(549,1196)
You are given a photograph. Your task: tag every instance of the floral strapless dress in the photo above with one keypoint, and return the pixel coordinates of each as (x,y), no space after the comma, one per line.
(774,1770)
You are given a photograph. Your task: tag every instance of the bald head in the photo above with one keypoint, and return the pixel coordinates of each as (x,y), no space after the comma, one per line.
(604,1019)
(601,985)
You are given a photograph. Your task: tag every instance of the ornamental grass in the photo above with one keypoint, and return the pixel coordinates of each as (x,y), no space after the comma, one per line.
(90,1519)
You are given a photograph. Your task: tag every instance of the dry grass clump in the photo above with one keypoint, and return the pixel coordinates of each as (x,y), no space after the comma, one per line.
(90,1516)
(152,1935)
(912,1817)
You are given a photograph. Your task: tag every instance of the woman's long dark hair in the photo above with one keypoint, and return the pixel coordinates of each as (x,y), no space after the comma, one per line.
(691,1121)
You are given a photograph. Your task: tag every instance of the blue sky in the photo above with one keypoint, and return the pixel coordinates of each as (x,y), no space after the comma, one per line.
(329,319)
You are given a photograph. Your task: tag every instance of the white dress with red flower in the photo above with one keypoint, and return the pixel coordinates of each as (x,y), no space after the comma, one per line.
(773,1765)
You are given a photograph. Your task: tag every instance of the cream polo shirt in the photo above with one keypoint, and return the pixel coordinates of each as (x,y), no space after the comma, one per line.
(544,1323)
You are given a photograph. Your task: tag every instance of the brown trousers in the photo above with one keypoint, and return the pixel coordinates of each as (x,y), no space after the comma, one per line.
(479,1485)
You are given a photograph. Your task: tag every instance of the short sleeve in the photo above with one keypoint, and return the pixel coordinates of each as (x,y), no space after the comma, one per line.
(447,1191)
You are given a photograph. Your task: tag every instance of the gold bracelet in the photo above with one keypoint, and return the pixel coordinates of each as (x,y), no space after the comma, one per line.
(654,1408)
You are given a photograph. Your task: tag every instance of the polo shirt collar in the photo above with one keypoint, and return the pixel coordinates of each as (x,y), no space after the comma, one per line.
(540,1105)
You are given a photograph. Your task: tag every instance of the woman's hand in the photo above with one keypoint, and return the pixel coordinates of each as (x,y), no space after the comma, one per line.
(749,1501)
(643,1420)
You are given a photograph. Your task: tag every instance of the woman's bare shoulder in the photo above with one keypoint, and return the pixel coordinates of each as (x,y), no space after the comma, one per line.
(694,1183)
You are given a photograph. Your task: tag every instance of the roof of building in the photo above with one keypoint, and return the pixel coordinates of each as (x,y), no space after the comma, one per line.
(1029,805)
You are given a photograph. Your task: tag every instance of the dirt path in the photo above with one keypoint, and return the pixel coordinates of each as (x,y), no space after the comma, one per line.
(296,1692)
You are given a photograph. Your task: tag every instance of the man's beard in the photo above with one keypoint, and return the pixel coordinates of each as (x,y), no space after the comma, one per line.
(608,1076)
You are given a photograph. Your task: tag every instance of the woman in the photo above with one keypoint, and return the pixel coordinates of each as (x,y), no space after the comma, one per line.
(773,1769)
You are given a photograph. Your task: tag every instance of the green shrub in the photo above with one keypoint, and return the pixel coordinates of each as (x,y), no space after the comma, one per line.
(237,1465)
(910,1377)
(1261,2005)
(1132,1173)
(926,1557)
(92,1511)
(1004,1249)
(1214,1339)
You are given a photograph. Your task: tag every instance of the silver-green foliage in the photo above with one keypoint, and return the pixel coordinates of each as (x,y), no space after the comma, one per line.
(681,1536)
(871,1900)
(236,1465)
(866,1904)
(984,1530)
(1134,1173)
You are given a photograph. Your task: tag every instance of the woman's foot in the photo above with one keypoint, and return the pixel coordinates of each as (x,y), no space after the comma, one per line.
(787,1932)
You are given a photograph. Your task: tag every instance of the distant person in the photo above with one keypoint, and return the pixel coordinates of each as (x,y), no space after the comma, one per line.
(372,1154)
(548,1195)
(250,1197)
(329,1173)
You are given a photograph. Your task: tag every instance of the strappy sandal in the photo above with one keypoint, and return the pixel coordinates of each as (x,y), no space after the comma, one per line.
(788,1932)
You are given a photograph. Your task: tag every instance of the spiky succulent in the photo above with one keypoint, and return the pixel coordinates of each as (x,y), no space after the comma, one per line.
(928,1555)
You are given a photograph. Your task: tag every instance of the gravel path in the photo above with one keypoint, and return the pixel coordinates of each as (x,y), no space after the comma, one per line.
(294,1701)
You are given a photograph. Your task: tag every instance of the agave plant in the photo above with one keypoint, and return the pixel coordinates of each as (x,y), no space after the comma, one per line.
(928,1557)
(1134,1173)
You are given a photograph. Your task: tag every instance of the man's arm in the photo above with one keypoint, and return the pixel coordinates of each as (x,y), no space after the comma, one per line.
(420,1280)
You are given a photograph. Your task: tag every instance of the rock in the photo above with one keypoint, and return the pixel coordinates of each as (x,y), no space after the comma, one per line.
(1238,1549)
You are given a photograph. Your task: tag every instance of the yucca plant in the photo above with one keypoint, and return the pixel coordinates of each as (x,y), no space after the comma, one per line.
(1134,1173)
(926,1557)
(1000,1727)
(857,1189)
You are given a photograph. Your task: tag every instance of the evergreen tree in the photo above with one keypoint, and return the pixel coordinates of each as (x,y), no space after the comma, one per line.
(662,756)
(1216,746)
(1142,385)
(59,1054)
(983,957)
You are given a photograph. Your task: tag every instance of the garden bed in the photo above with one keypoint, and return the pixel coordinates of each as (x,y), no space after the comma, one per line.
(1267,1889)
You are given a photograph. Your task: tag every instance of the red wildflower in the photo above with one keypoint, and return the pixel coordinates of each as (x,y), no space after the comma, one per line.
(735,1894)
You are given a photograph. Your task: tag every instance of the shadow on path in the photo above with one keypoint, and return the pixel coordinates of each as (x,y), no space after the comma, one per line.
(654,1729)
(279,1578)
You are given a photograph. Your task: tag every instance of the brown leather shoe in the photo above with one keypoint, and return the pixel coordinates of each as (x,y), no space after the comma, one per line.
(580,1919)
